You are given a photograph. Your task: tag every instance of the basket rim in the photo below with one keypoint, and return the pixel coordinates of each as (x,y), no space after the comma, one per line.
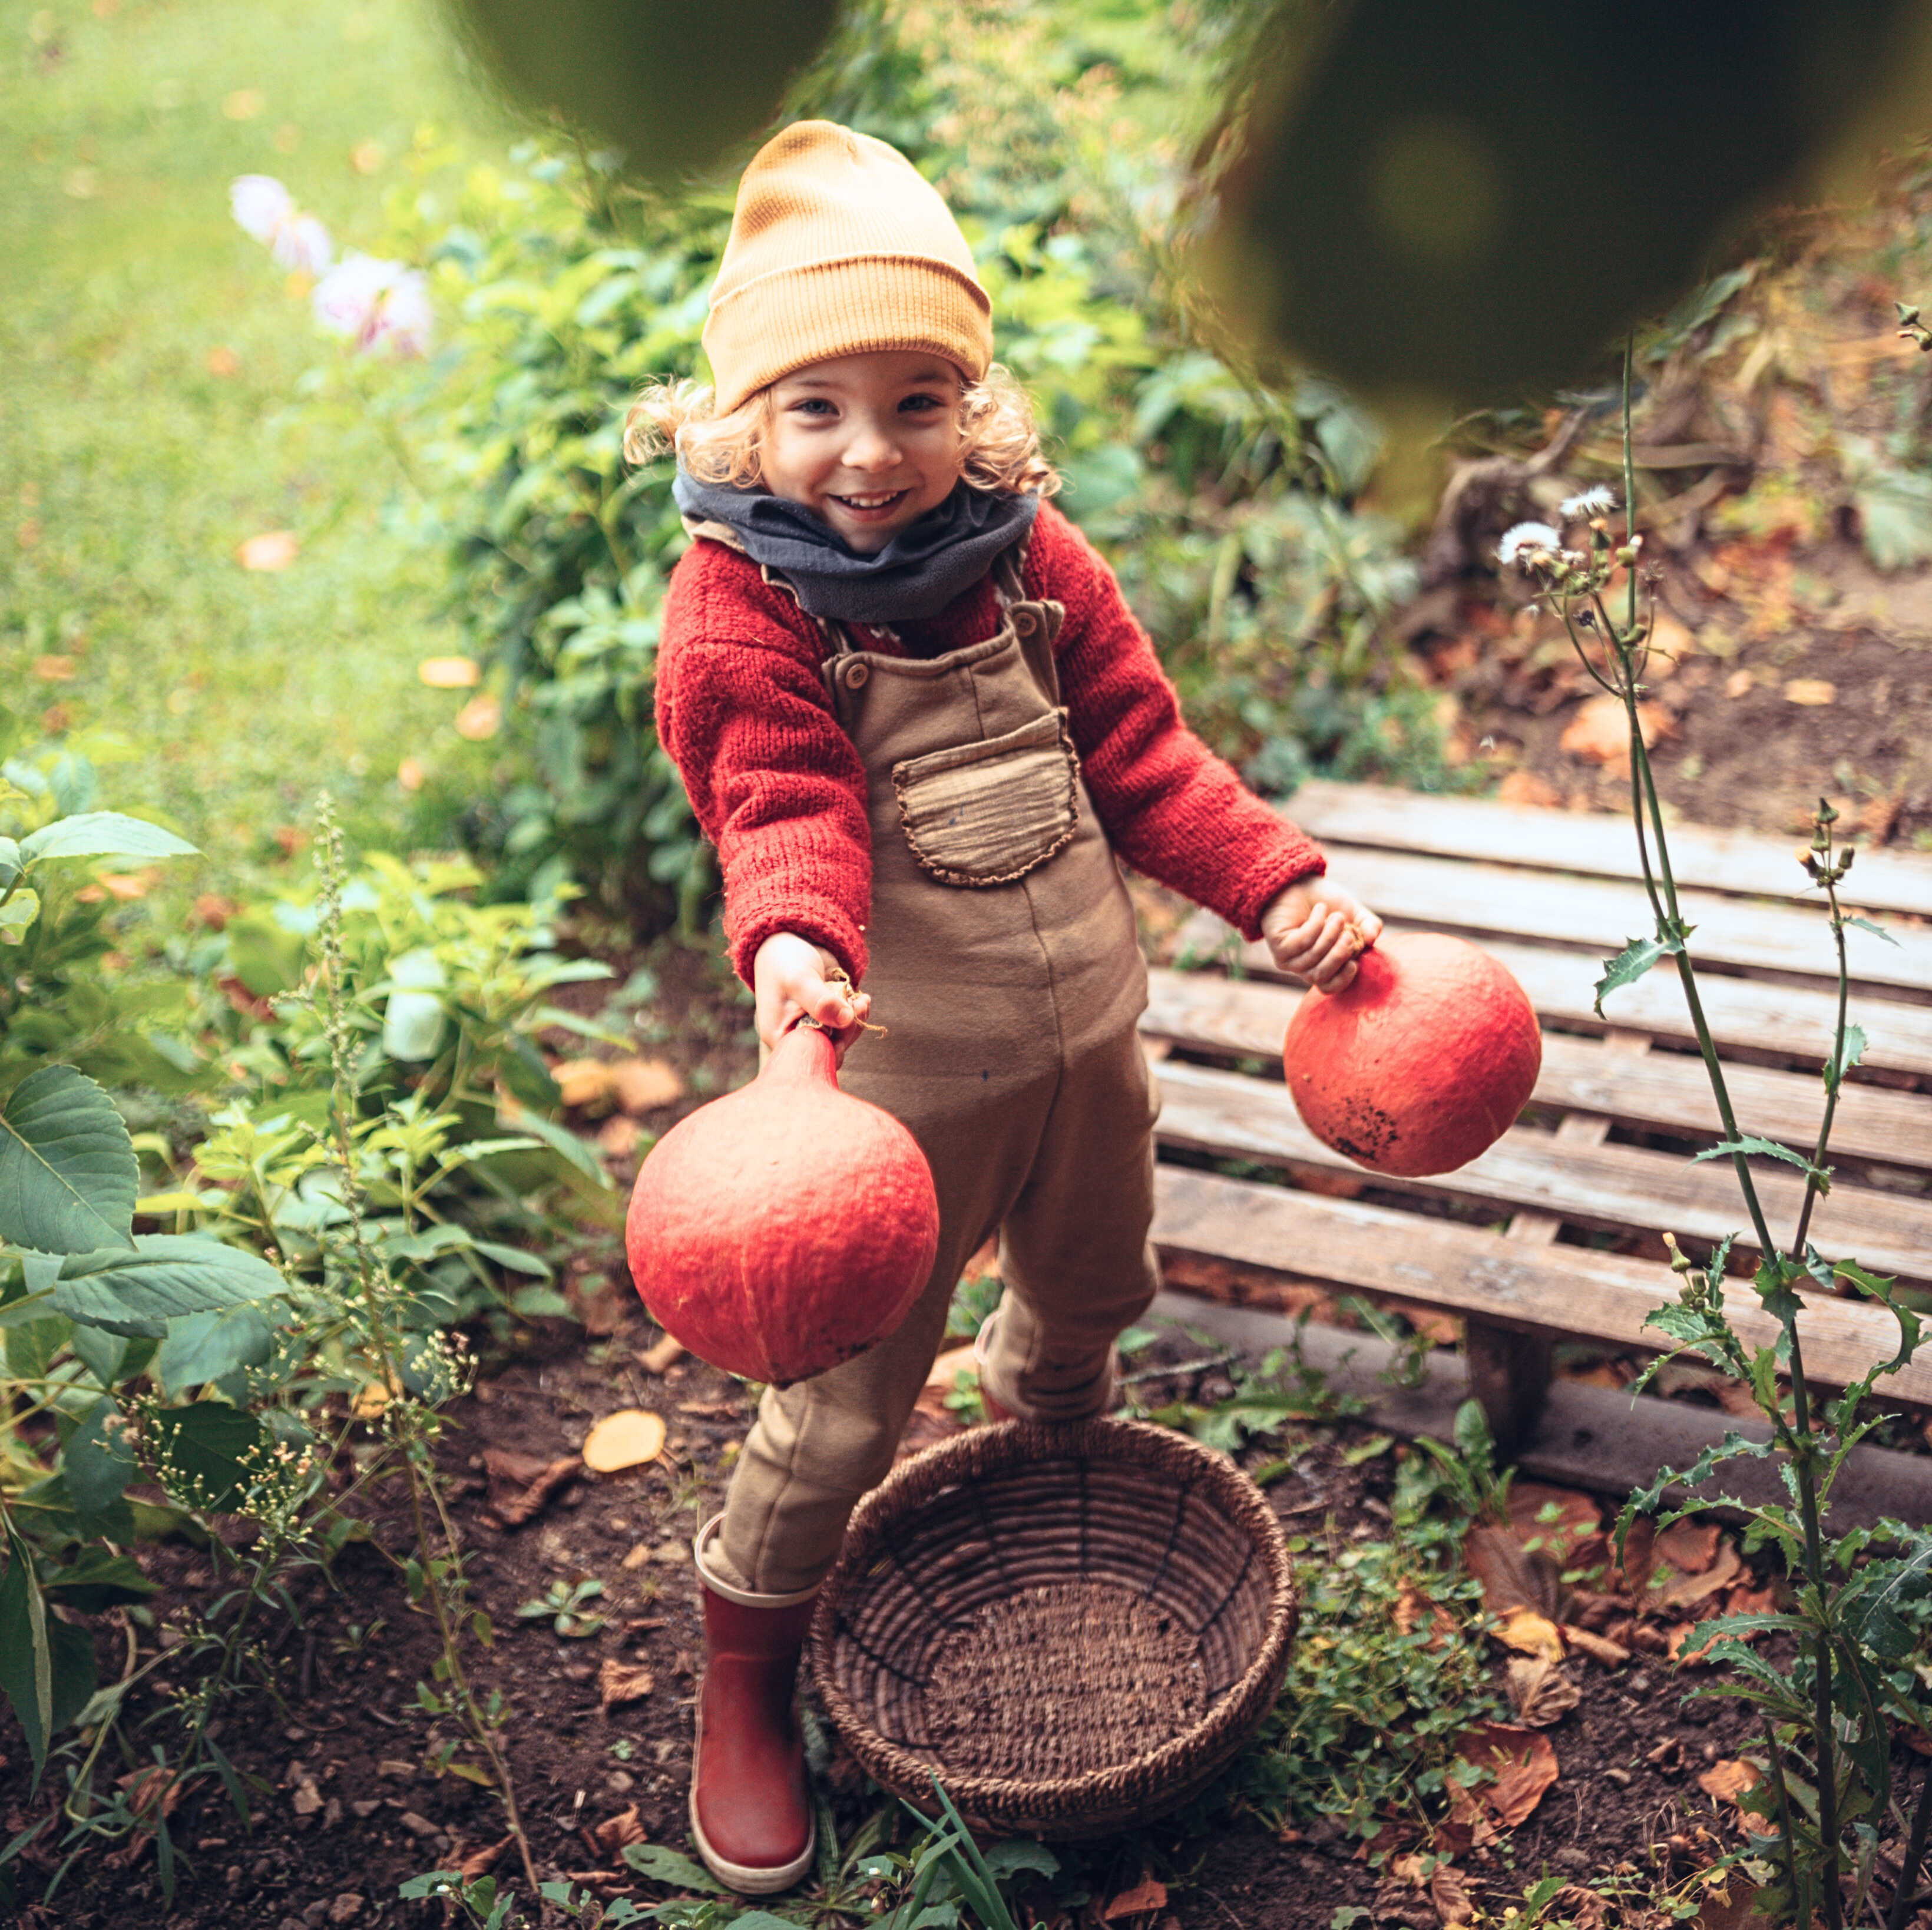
(985,1451)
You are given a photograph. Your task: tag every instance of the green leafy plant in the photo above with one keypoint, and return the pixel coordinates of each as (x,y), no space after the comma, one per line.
(1388,1673)
(86,1305)
(565,1605)
(1828,1782)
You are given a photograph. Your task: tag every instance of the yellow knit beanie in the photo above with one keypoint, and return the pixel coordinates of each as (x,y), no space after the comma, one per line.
(839,246)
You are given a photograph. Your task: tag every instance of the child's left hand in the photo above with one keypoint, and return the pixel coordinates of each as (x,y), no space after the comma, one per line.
(1316,929)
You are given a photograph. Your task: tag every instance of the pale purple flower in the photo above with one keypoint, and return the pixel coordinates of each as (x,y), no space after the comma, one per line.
(370,302)
(1526,536)
(267,210)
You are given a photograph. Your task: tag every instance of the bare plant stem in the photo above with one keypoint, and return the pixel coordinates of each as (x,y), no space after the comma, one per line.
(1915,1856)
(373,1283)
(1797,1440)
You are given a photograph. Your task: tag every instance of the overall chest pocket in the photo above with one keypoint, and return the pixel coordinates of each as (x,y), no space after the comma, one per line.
(988,813)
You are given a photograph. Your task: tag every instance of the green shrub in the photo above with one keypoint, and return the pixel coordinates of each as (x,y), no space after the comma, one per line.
(1231,509)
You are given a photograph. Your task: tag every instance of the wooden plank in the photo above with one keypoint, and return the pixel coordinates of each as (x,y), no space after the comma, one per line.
(1589,1437)
(1613,1187)
(1485,900)
(1581,1128)
(1793,1022)
(1245,1018)
(1559,1290)
(1590,842)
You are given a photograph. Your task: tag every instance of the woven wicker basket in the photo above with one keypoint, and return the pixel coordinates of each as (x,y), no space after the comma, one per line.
(1076,1628)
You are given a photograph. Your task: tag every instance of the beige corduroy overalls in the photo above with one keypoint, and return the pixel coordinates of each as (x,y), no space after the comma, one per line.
(1006,967)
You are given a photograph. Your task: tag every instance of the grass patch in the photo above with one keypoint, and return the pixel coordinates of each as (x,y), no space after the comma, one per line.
(131,467)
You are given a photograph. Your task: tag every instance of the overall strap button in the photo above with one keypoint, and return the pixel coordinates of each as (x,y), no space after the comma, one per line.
(855,674)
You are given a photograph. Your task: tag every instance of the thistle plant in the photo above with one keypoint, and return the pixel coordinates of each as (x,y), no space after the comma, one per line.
(1827,1785)
(414,1375)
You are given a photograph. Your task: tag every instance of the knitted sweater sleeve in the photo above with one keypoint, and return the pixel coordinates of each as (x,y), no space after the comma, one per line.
(1172,809)
(775,782)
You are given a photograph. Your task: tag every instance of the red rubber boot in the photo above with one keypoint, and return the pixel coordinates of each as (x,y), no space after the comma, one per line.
(751,1812)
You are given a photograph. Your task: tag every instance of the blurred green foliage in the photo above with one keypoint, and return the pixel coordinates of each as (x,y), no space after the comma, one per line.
(1235,514)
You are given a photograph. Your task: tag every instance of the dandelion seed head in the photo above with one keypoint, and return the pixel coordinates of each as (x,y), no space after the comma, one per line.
(1590,502)
(1536,537)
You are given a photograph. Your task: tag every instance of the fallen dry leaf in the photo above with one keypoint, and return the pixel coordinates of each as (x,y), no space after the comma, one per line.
(1601,731)
(1510,1577)
(1541,1692)
(626,1439)
(1745,1600)
(1530,1633)
(1689,1547)
(931,1421)
(1525,787)
(1522,1763)
(1670,642)
(450,673)
(54,670)
(1632,1577)
(1411,1605)
(640,1554)
(1687,1658)
(1449,1891)
(643,1085)
(595,1302)
(619,1683)
(1739,684)
(520,1484)
(609,1836)
(1585,1907)
(213,910)
(1397,1901)
(1810,690)
(1733,1908)
(662,1354)
(1600,1648)
(275,550)
(1558,1518)
(618,1136)
(411,774)
(1728,1780)
(1681,1590)
(1146,1895)
(125,887)
(147,1786)
(480,718)
(482,1860)
(587,1084)
(954,1362)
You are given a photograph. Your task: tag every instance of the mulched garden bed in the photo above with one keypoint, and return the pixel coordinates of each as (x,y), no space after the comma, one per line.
(599,1727)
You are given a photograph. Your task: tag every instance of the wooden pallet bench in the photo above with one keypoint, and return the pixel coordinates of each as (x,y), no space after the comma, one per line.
(1520,1256)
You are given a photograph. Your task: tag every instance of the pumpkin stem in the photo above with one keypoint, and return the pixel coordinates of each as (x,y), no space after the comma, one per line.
(837,975)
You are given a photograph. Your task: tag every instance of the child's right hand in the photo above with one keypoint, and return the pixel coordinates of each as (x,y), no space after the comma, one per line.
(790,980)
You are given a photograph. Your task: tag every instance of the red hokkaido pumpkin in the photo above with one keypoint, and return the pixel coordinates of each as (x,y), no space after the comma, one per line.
(1422,1063)
(786,1227)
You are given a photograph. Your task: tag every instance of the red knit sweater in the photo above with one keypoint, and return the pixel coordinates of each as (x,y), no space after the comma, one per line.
(778,787)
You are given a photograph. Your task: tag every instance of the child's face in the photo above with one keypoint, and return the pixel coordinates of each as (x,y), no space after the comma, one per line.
(867,443)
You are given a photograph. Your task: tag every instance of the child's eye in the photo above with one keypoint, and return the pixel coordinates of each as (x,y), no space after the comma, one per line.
(812,404)
(921,405)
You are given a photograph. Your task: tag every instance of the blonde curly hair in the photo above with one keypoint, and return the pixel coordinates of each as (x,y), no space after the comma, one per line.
(1002,453)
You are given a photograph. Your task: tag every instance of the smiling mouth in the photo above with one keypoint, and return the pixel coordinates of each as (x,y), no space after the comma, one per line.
(870,504)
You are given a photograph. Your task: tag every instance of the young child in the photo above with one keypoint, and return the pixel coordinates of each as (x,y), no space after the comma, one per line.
(913,712)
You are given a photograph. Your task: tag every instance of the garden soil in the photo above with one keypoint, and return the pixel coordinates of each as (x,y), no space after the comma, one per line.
(1764,704)
(347,1811)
